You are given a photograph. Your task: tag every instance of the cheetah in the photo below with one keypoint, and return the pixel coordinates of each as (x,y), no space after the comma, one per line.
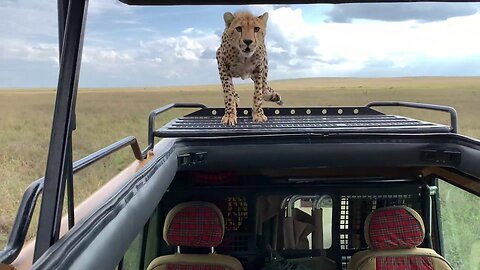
(242,54)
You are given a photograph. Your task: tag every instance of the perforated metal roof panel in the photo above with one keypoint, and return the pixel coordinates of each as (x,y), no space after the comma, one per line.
(331,120)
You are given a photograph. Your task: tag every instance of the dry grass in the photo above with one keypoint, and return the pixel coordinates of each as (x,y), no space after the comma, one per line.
(107,115)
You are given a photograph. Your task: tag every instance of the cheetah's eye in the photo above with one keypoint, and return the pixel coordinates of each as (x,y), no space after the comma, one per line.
(256,29)
(239,29)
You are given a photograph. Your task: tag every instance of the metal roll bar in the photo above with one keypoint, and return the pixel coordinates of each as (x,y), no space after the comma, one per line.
(433,107)
(153,115)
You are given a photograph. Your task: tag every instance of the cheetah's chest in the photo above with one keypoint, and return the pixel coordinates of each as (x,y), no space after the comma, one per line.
(243,68)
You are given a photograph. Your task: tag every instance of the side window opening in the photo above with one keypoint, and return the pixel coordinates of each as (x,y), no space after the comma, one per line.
(143,248)
(131,259)
(460,223)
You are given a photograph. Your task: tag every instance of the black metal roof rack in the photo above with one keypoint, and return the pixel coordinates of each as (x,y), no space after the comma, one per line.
(320,120)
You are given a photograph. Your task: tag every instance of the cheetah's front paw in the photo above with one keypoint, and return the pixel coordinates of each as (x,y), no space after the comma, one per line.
(259,117)
(229,119)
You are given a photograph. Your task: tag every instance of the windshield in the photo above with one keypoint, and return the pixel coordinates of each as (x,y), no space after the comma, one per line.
(136,59)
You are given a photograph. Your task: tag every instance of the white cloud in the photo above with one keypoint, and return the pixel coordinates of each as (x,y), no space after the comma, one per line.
(274,49)
(188,30)
(28,19)
(193,31)
(127,22)
(176,48)
(182,47)
(22,50)
(420,12)
(170,60)
(107,6)
(156,60)
(337,49)
(106,59)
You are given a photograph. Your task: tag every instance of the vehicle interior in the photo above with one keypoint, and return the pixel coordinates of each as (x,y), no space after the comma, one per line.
(335,187)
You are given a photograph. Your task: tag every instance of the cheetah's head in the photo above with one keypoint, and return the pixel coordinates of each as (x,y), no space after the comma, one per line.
(246,31)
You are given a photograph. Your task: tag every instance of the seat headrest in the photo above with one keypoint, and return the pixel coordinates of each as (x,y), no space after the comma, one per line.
(394,227)
(194,224)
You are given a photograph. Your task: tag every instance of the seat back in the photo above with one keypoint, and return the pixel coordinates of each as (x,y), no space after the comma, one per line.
(194,224)
(393,235)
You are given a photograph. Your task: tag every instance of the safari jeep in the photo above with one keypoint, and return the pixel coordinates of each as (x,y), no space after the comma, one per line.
(312,188)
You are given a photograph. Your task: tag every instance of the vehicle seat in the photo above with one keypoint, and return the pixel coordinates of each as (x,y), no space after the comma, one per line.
(393,234)
(194,224)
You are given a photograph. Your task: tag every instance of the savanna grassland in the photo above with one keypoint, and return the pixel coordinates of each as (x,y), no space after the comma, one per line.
(107,115)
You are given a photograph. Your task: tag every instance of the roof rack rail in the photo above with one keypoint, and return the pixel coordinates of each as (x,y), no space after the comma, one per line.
(155,113)
(433,107)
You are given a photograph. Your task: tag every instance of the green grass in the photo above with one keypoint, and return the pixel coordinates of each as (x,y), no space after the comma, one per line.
(107,115)
(460,223)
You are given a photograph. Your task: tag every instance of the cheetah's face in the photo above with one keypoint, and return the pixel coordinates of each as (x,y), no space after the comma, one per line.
(246,31)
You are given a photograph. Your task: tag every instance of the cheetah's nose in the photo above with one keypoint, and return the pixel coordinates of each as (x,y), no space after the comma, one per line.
(247,41)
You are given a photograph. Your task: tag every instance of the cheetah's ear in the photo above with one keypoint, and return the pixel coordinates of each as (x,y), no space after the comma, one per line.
(228,18)
(264,17)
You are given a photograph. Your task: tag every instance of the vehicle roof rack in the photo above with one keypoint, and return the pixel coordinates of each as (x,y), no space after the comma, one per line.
(300,120)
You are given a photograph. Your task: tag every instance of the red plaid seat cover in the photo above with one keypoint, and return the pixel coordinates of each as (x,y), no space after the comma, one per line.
(393,228)
(194,224)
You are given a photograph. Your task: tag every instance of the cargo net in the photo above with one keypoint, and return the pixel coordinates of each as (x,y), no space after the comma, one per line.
(353,212)
(235,213)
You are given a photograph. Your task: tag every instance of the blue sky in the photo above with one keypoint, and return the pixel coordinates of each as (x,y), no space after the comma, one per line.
(157,46)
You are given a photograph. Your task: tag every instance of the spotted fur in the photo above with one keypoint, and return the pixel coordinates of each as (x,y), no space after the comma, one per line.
(242,54)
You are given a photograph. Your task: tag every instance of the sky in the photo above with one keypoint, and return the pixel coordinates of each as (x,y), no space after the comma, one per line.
(129,46)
